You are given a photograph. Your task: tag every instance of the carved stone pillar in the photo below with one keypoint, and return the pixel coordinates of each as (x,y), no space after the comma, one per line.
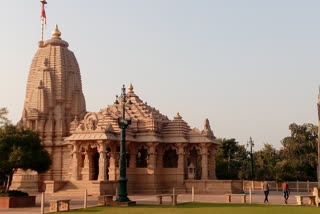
(87,166)
(91,166)
(181,162)
(181,157)
(48,174)
(133,154)
(152,156)
(213,163)
(204,161)
(75,162)
(102,162)
(112,166)
(160,158)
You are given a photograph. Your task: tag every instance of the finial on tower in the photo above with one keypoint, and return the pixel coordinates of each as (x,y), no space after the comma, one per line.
(130,88)
(178,116)
(56,32)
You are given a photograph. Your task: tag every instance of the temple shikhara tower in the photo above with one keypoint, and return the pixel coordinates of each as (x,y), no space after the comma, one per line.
(84,146)
(54,91)
(53,100)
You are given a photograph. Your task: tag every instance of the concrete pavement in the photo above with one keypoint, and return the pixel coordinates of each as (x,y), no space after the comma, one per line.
(275,198)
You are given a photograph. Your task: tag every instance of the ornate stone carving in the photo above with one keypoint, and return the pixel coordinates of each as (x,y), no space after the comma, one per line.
(207,129)
(74,124)
(109,128)
(91,124)
(90,121)
(80,127)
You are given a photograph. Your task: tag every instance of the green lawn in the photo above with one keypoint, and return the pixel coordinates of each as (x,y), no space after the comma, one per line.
(202,208)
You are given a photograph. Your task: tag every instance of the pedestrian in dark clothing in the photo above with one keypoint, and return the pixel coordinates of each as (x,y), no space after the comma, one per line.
(266,191)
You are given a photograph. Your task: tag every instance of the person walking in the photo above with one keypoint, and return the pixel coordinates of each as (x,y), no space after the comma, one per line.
(285,189)
(266,191)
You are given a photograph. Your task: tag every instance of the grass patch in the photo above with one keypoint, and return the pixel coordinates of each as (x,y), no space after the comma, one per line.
(202,208)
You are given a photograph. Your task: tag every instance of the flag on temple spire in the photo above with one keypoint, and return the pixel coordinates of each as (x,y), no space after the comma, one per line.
(43,12)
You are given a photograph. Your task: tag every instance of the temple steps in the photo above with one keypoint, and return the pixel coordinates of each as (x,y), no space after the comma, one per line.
(77,188)
(152,190)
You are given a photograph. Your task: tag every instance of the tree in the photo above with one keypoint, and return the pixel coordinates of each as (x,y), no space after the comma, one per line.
(265,162)
(20,148)
(299,154)
(3,116)
(232,160)
(3,120)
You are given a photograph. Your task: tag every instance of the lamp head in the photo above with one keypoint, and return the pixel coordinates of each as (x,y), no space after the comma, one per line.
(116,101)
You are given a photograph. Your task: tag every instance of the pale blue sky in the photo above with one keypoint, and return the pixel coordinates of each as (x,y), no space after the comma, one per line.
(251,67)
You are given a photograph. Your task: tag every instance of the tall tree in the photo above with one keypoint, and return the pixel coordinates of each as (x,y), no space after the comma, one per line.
(265,162)
(21,149)
(3,120)
(232,160)
(299,154)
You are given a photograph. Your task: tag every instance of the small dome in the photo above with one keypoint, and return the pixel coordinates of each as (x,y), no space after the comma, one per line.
(130,88)
(177,127)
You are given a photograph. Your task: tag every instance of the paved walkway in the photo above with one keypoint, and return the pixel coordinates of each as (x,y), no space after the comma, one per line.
(77,202)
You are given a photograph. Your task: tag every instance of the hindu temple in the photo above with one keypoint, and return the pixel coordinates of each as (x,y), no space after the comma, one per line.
(84,146)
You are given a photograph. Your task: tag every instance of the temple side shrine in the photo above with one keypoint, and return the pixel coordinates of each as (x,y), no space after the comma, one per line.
(160,152)
(84,146)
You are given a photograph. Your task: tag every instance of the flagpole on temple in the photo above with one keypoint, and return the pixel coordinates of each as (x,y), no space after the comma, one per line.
(43,17)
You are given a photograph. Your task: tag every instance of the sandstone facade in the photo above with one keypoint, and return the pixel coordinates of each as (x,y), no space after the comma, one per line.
(85,146)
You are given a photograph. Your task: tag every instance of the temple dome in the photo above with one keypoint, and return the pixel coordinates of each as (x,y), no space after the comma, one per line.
(144,117)
(54,94)
(177,127)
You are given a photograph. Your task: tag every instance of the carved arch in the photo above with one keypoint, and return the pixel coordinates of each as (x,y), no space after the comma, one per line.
(90,121)
(170,157)
(142,156)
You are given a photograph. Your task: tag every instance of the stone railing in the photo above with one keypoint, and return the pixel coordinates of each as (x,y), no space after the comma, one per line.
(295,186)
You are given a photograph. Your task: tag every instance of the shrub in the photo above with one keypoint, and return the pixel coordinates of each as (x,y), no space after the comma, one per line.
(12,193)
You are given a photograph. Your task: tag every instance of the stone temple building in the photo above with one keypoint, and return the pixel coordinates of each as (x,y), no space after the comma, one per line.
(84,146)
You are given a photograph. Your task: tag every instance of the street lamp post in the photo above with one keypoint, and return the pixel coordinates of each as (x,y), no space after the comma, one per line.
(123,124)
(251,144)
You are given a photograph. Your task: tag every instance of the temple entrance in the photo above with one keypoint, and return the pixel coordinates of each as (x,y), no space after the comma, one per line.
(95,165)
(170,158)
(194,162)
(142,158)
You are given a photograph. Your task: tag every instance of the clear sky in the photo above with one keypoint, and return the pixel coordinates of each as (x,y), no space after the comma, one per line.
(251,67)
